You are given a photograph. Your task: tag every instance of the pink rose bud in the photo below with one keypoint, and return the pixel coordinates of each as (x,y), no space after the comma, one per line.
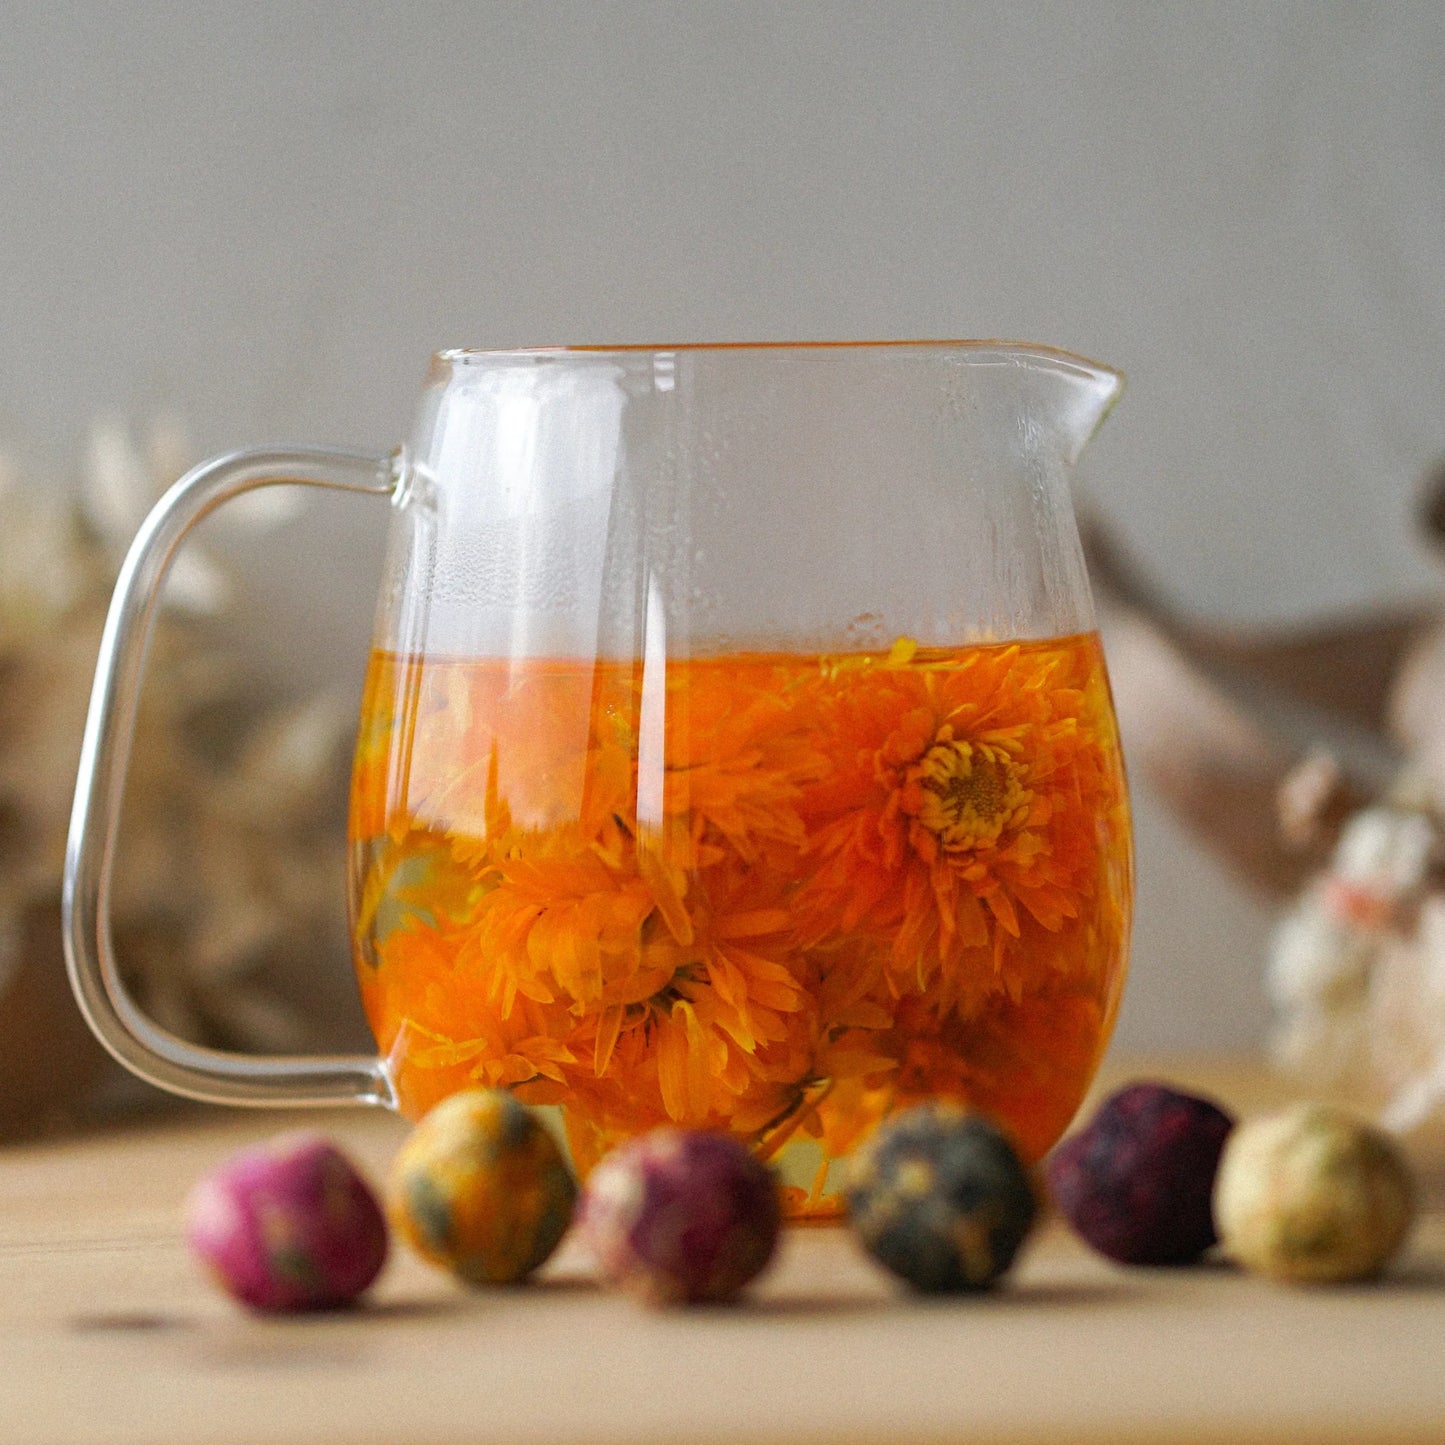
(681,1216)
(289,1225)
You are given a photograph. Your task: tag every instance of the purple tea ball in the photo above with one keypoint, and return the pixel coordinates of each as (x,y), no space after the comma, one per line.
(289,1225)
(679,1216)
(1136,1183)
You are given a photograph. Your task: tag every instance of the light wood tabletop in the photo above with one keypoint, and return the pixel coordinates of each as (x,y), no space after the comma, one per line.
(108,1333)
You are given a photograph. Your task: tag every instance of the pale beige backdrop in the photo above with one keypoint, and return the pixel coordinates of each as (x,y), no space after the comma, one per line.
(263,217)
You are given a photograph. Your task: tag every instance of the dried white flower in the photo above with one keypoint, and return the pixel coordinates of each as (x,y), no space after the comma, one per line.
(1357,969)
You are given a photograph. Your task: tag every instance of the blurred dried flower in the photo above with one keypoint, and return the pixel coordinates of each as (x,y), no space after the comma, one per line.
(231,859)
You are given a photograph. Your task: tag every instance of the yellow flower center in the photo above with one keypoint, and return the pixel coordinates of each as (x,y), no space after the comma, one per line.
(970,793)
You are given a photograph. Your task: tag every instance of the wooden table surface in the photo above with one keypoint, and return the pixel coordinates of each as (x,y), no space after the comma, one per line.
(109,1334)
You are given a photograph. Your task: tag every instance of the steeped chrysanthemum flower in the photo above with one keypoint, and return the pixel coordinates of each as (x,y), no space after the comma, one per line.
(963,819)
(770,906)
(965,794)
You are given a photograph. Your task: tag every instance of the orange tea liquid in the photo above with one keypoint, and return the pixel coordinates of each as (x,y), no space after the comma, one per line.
(773,894)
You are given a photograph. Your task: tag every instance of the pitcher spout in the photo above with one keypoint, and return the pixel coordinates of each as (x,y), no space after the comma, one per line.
(1080,393)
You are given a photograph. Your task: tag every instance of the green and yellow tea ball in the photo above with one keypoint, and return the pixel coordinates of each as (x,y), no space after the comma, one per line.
(480,1188)
(939,1196)
(1313,1196)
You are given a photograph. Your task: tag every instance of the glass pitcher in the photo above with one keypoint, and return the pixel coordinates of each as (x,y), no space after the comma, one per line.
(736,749)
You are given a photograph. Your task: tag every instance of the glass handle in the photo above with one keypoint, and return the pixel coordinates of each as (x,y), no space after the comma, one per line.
(139,1043)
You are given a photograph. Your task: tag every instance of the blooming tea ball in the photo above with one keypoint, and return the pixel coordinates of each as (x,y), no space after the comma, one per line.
(1136,1182)
(290,1225)
(939,1196)
(681,1216)
(1313,1195)
(480,1188)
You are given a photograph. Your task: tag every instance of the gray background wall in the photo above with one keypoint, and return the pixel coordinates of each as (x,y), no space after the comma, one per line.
(263,217)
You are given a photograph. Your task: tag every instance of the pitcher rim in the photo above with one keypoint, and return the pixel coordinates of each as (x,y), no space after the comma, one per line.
(468,355)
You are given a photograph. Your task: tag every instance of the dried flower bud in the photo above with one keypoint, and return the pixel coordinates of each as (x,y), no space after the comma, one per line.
(681,1216)
(1312,1195)
(939,1197)
(288,1226)
(481,1189)
(1136,1182)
